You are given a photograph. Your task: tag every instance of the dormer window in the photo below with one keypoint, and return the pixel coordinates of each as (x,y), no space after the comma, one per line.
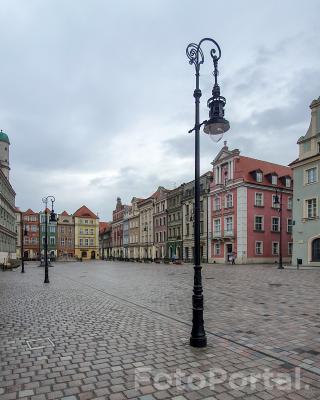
(274,179)
(259,176)
(288,182)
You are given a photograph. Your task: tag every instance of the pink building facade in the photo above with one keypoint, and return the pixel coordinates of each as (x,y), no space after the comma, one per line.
(246,219)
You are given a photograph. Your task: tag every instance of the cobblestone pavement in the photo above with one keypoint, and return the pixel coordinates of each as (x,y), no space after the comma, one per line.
(107,321)
(273,311)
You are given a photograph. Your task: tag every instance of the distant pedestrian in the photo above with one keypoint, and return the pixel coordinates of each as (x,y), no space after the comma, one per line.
(233,258)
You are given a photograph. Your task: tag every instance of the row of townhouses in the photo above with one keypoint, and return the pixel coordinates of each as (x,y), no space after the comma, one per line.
(71,236)
(240,214)
(7,204)
(249,208)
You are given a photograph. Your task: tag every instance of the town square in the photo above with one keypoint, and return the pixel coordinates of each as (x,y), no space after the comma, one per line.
(159,200)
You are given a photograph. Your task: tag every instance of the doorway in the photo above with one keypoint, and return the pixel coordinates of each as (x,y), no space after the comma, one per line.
(316,250)
(93,255)
(229,251)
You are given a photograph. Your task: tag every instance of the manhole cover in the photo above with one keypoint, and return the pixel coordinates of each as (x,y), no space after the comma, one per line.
(36,344)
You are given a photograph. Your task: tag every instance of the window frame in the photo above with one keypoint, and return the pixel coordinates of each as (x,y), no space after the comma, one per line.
(255,248)
(272,248)
(262,223)
(262,199)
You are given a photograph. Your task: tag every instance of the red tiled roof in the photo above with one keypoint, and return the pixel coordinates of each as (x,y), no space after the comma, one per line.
(246,165)
(265,166)
(65,214)
(29,212)
(103,226)
(84,212)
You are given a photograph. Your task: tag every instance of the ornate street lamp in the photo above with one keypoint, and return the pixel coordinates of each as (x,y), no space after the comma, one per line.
(278,202)
(215,127)
(53,218)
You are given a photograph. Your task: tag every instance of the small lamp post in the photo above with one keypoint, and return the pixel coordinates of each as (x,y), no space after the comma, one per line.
(53,218)
(215,127)
(146,229)
(23,233)
(278,202)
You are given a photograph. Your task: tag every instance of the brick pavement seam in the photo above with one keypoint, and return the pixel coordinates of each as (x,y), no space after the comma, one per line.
(140,306)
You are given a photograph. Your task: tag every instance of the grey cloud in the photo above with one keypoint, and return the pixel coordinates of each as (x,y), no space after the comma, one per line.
(75,77)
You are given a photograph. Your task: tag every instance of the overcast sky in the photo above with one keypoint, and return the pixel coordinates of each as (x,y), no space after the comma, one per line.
(97,96)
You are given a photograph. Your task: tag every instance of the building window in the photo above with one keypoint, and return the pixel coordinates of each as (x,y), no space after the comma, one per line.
(62,242)
(217,249)
(52,229)
(259,176)
(86,221)
(311,175)
(187,229)
(217,226)
(289,203)
(86,242)
(52,240)
(91,242)
(275,248)
(290,249)
(259,248)
(81,242)
(217,205)
(274,179)
(275,227)
(229,201)
(228,224)
(289,225)
(288,182)
(307,146)
(258,223)
(258,199)
(311,208)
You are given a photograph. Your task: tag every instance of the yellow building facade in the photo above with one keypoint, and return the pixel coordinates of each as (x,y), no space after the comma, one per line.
(86,234)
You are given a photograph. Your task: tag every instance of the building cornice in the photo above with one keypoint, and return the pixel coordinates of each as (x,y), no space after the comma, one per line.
(299,163)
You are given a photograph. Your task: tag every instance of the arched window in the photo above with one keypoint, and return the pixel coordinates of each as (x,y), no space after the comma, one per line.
(316,249)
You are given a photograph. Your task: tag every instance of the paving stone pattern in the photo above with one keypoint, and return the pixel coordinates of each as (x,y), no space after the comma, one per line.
(106,321)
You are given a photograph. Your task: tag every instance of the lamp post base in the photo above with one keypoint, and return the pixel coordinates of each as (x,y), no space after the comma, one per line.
(281,267)
(198,341)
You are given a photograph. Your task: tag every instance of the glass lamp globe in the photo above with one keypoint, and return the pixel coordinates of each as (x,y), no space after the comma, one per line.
(216,127)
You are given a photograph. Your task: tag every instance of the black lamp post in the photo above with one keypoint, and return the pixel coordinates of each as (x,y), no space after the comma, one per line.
(215,127)
(146,229)
(53,218)
(23,233)
(278,202)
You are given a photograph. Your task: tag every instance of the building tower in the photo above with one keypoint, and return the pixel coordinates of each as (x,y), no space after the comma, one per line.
(4,153)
